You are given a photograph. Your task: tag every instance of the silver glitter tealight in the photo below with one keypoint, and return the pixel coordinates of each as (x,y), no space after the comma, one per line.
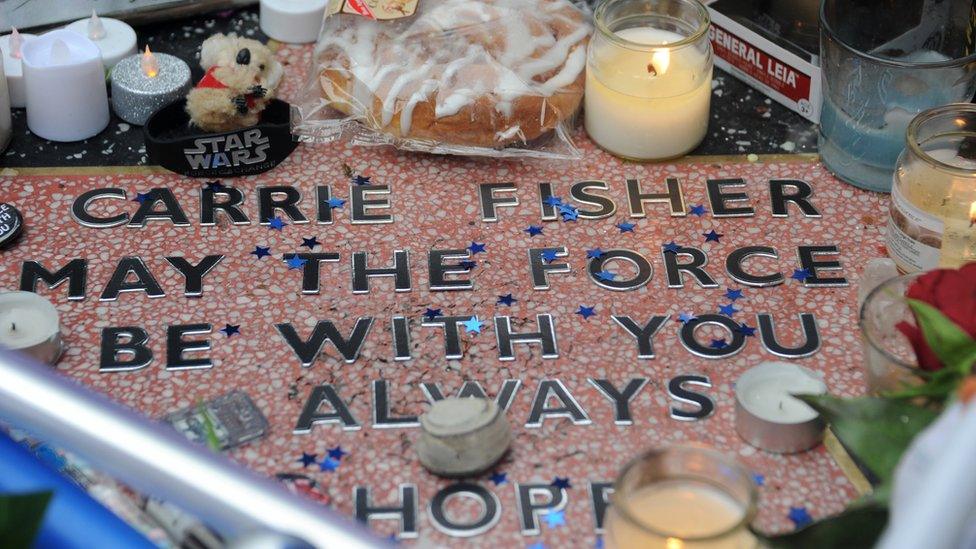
(136,95)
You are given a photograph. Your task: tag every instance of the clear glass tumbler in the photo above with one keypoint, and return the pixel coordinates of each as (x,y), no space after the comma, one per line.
(889,360)
(883,62)
(682,497)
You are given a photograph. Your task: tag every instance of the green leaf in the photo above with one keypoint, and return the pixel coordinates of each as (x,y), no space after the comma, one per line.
(939,386)
(859,526)
(876,431)
(955,349)
(213,441)
(20,518)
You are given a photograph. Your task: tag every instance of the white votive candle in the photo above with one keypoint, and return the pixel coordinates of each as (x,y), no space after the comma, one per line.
(768,416)
(292,21)
(115,39)
(12,47)
(65,80)
(6,124)
(29,324)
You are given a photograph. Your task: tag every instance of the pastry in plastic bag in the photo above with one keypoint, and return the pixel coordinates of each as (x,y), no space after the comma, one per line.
(467,76)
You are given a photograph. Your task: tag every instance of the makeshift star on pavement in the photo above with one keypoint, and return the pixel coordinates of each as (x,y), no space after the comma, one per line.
(800,274)
(276,224)
(625,227)
(499,478)
(561,482)
(431,314)
(231,329)
(555,518)
(732,295)
(307,459)
(261,251)
(799,516)
(337,453)
(671,247)
(476,248)
(586,312)
(310,243)
(506,299)
(473,325)
(328,465)
(533,230)
(594,253)
(712,236)
(698,210)
(336,203)
(728,310)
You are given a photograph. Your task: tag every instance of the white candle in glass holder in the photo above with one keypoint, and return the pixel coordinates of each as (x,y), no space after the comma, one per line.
(65,81)
(12,47)
(115,39)
(30,324)
(646,100)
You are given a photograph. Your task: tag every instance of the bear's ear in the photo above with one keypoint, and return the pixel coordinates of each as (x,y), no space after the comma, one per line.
(212,48)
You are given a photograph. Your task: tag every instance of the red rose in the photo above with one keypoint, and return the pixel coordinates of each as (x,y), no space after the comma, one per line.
(951,291)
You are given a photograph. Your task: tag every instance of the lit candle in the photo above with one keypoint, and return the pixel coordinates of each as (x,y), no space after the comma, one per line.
(292,21)
(115,39)
(648,88)
(12,47)
(768,416)
(29,324)
(143,83)
(65,82)
(684,497)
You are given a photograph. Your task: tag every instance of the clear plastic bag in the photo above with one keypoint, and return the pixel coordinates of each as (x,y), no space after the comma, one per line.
(497,78)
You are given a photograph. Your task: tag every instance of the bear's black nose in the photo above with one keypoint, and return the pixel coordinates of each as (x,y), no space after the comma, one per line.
(244,57)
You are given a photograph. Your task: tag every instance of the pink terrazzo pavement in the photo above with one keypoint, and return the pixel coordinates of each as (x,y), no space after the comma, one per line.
(435,205)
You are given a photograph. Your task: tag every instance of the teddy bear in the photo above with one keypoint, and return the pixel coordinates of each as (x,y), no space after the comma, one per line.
(241,79)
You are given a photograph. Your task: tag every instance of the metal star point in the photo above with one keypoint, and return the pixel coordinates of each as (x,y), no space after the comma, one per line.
(626,227)
(276,224)
(476,248)
(473,325)
(712,236)
(431,314)
(261,252)
(586,312)
(231,329)
(533,230)
(336,203)
(310,243)
(337,453)
(307,459)
(698,210)
(728,310)
(506,299)
(295,262)
(732,295)
(671,247)
(595,253)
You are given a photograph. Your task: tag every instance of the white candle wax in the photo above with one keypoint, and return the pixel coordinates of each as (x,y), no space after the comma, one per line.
(66,95)
(765,391)
(647,105)
(12,68)
(115,39)
(679,510)
(292,21)
(6,124)
(29,323)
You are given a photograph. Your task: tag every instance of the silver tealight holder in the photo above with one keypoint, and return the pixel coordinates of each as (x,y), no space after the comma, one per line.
(769,417)
(143,83)
(29,324)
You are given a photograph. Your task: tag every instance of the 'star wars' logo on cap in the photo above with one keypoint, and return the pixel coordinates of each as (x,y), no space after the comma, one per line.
(236,149)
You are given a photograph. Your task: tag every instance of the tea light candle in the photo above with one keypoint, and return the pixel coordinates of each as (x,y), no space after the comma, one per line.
(65,82)
(115,39)
(143,83)
(767,416)
(648,89)
(29,324)
(12,47)
(292,21)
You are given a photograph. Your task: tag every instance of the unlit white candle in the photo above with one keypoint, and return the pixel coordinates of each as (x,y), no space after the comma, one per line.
(765,391)
(115,39)
(65,82)
(292,21)
(643,113)
(13,68)
(6,125)
(26,320)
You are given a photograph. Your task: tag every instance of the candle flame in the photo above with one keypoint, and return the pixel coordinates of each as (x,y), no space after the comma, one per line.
(972,214)
(673,543)
(660,60)
(96,30)
(16,41)
(150,67)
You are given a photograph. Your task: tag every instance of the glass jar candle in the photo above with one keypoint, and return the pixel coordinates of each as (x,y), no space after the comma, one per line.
(648,78)
(889,360)
(933,197)
(682,497)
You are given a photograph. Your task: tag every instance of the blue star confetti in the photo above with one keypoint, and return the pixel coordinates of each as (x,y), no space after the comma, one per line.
(499,478)
(549,256)
(799,516)
(360,180)
(712,236)
(569,213)
(760,480)
(468,264)
(506,299)
(310,243)
(307,459)
(142,197)
(337,453)
(595,253)
(533,230)
(231,329)
(295,262)
(276,224)
(476,248)
(698,210)
(728,310)
(732,295)
(561,482)
(671,247)
(718,344)
(746,330)
(800,274)
(553,201)
(625,227)
(586,312)
(606,276)
(215,186)
(336,203)
(431,314)
(555,518)
(599,543)
(537,545)
(685,318)
(328,464)
(473,325)
(261,252)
